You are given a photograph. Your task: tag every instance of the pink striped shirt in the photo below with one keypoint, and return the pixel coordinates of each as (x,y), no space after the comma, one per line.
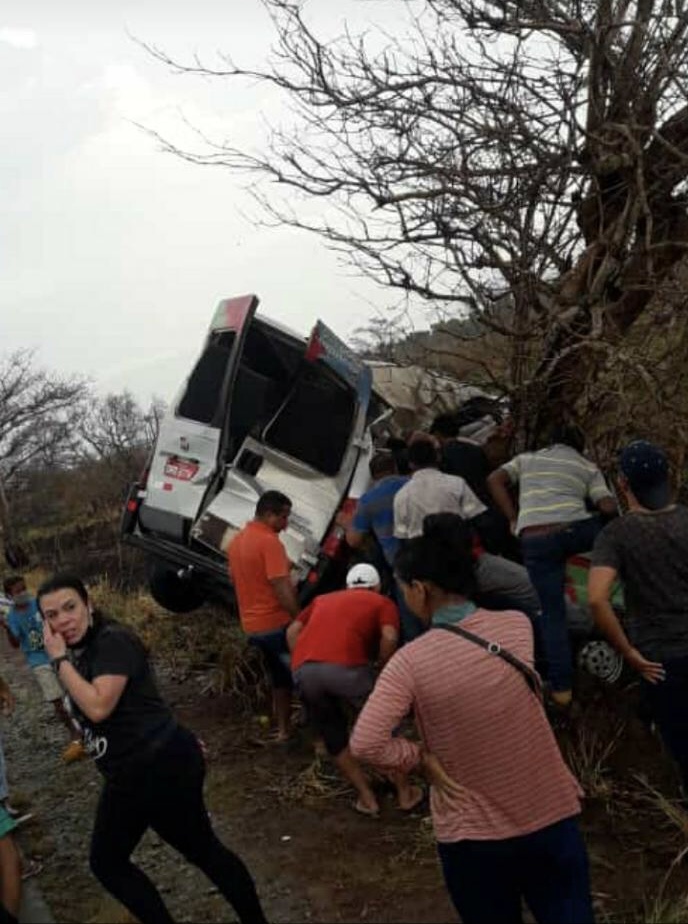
(477,714)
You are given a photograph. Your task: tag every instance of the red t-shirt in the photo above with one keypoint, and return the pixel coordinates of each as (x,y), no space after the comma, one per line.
(343,627)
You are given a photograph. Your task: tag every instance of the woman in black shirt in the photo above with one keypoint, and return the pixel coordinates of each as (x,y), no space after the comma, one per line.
(153,768)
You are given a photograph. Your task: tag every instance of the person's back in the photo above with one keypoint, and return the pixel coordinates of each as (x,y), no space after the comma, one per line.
(430,491)
(343,627)
(467,460)
(476,714)
(650,552)
(554,485)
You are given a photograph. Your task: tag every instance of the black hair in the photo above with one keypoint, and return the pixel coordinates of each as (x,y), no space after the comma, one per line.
(445,425)
(397,446)
(422,453)
(443,555)
(64,581)
(568,435)
(383,463)
(10,582)
(272,502)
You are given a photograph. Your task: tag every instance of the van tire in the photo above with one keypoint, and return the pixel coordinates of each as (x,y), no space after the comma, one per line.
(178,595)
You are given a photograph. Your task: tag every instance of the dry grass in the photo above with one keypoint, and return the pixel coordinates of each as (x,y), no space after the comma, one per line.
(319,781)
(588,752)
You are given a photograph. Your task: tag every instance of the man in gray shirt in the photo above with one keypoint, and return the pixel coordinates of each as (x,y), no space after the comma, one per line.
(648,550)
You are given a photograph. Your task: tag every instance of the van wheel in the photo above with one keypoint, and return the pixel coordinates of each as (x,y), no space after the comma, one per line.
(178,595)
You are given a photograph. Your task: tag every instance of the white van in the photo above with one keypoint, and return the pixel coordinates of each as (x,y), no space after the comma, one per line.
(262,409)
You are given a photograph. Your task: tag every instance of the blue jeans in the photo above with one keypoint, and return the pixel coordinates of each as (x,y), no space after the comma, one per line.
(548,869)
(544,555)
(668,704)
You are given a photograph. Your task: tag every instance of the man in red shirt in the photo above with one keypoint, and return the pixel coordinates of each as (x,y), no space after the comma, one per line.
(334,643)
(260,571)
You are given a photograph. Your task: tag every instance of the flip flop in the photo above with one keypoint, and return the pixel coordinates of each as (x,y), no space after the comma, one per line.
(362,810)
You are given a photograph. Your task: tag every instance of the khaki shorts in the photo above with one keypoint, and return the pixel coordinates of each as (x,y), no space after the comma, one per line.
(48,682)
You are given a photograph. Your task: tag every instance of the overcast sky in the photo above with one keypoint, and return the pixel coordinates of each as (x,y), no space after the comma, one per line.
(113,254)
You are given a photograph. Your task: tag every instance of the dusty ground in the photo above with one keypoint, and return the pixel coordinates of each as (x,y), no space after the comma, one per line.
(312,857)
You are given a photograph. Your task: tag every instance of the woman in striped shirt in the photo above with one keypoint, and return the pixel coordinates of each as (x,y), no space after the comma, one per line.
(503,802)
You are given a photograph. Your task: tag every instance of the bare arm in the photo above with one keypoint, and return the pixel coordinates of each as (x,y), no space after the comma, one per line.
(499,483)
(98,699)
(607,507)
(600,583)
(389,642)
(286,594)
(293,633)
(355,539)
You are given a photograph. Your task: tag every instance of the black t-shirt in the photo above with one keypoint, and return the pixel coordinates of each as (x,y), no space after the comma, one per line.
(650,553)
(141,719)
(468,461)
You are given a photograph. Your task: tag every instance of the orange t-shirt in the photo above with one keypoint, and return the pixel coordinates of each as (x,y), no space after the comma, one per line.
(256,557)
(343,627)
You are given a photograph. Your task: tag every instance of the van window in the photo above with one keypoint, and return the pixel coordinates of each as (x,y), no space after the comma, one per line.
(315,422)
(200,399)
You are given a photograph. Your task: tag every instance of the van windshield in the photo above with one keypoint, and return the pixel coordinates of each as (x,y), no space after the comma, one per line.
(203,389)
(316,420)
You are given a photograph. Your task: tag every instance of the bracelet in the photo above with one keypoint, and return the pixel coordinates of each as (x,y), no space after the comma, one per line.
(57,661)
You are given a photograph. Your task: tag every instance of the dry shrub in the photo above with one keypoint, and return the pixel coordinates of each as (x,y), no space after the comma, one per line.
(588,752)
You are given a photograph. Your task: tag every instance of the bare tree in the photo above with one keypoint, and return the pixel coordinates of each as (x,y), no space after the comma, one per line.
(116,426)
(533,151)
(37,422)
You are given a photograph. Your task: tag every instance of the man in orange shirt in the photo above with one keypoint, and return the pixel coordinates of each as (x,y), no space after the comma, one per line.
(259,568)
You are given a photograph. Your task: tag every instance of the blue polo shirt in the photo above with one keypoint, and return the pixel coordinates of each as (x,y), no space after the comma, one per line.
(375,514)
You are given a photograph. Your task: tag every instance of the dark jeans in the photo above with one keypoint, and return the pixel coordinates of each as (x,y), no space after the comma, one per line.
(167,796)
(668,705)
(544,556)
(273,646)
(548,869)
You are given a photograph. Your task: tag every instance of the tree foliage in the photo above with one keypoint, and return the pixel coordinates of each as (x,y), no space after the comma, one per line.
(532,153)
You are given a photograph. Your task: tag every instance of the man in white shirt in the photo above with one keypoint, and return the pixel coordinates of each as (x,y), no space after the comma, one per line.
(502,584)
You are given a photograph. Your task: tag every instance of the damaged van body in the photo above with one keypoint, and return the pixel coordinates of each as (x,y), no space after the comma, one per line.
(262,409)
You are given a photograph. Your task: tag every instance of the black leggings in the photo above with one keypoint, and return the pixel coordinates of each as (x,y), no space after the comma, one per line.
(168,797)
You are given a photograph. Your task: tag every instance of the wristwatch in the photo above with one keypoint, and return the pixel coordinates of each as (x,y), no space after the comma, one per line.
(57,661)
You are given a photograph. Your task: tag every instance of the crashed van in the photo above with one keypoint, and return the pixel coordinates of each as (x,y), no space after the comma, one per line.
(263,408)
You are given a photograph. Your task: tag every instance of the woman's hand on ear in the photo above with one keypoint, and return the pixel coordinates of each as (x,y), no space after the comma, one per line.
(54,644)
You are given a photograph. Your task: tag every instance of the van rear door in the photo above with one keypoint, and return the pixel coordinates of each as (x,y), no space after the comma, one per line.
(309,451)
(185,459)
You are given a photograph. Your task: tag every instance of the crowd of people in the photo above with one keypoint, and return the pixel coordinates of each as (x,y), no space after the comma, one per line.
(443,659)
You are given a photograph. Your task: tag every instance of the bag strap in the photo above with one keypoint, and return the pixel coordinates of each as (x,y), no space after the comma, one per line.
(531,677)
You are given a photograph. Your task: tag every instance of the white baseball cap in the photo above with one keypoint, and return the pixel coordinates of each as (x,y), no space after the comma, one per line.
(363,575)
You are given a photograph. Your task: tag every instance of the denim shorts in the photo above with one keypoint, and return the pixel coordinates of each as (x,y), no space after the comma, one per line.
(275,651)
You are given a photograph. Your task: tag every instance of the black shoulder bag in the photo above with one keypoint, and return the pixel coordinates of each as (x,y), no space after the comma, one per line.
(494,648)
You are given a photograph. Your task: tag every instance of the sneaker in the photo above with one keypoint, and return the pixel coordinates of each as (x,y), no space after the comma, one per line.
(73,752)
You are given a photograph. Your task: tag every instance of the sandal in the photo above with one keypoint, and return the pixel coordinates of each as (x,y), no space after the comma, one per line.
(363,810)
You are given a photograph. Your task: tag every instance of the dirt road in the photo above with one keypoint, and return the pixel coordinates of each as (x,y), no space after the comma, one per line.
(312,857)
